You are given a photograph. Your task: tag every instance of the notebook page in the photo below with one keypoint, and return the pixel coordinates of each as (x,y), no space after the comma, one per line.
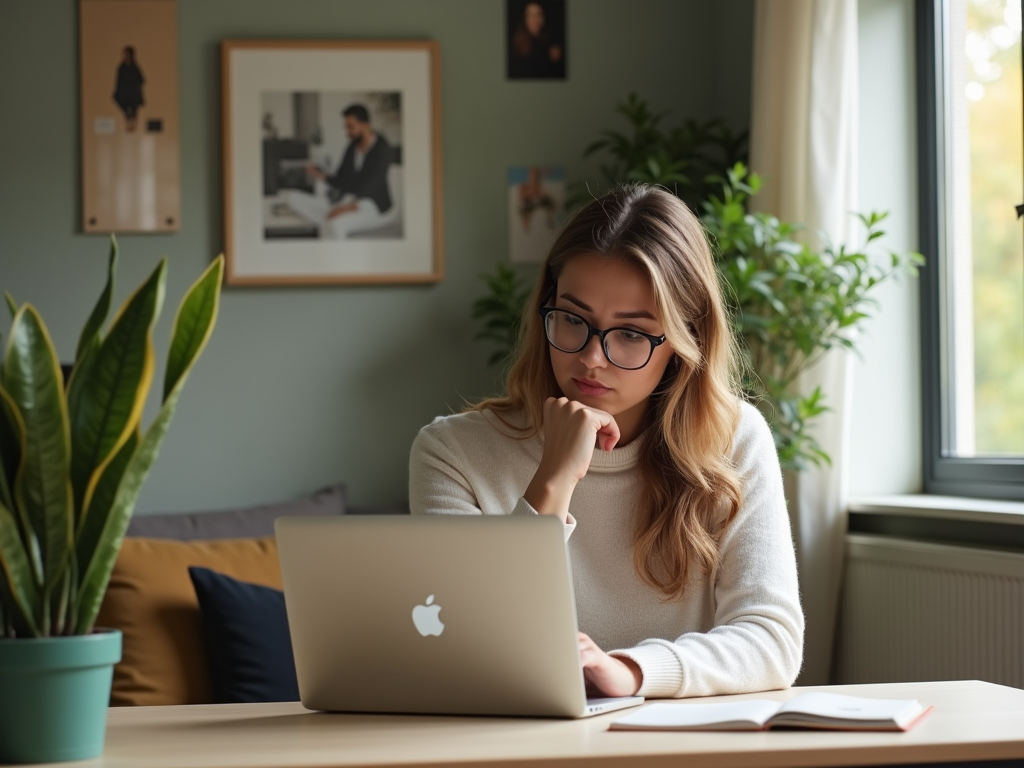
(855,709)
(663,716)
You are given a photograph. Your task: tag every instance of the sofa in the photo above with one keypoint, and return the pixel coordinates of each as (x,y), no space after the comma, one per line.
(179,649)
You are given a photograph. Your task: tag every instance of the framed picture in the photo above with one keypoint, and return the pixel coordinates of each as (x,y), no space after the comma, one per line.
(535,39)
(131,174)
(332,162)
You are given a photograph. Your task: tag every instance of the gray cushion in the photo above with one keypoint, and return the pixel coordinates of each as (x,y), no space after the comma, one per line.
(236,523)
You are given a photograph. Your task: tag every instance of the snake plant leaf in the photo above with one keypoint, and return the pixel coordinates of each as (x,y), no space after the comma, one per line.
(32,379)
(10,457)
(9,412)
(101,563)
(75,392)
(16,573)
(59,605)
(88,346)
(96,573)
(5,489)
(93,326)
(90,528)
(85,356)
(194,323)
(109,405)
(12,306)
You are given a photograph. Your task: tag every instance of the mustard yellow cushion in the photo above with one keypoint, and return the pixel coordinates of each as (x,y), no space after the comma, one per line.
(152,601)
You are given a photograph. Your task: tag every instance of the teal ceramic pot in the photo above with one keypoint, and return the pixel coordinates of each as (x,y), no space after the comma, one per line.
(54,693)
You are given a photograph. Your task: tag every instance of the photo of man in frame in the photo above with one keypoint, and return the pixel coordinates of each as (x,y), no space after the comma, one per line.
(307,194)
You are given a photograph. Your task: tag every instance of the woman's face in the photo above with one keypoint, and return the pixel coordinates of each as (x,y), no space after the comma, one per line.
(534,18)
(609,292)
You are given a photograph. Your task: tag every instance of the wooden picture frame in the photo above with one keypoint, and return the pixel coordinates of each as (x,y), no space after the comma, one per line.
(128,65)
(332,162)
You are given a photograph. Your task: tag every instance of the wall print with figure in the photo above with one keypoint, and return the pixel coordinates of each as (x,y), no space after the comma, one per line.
(332,162)
(536,39)
(536,207)
(131,176)
(128,87)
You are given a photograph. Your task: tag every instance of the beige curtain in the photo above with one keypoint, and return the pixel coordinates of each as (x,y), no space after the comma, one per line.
(804,146)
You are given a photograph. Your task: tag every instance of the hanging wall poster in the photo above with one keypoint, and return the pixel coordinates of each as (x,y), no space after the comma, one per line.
(536,207)
(535,39)
(332,162)
(131,175)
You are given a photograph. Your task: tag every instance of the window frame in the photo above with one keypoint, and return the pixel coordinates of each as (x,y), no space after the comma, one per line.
(984,477)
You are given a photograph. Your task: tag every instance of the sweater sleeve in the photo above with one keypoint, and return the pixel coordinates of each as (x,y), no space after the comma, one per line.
(756,643)
(439,483)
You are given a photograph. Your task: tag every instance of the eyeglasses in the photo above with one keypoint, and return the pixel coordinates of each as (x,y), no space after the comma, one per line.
(624,347)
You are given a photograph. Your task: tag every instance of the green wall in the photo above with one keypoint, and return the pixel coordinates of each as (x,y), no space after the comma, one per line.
(302,387)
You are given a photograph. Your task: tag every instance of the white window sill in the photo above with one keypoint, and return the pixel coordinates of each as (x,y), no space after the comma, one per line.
(942,507)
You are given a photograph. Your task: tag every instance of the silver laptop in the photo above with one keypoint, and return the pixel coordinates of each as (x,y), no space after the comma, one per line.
(440,615)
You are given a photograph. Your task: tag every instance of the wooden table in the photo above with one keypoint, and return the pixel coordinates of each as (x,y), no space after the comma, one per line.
(972,721)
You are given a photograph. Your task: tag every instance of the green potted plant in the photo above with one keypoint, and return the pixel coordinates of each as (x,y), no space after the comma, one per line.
(684,158)
(501,310)
(791,301)
(73,459)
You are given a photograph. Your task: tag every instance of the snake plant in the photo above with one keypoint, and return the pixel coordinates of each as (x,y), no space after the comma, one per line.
(74,456)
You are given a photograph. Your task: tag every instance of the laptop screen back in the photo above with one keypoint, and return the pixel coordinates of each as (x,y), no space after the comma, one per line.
(445,615)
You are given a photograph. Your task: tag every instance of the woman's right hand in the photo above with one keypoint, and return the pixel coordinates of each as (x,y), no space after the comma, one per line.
(572,430)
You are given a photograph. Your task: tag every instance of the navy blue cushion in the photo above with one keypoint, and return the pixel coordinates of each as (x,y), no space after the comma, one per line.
(247,642)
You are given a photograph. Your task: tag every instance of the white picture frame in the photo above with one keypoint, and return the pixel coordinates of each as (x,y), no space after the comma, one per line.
(290,215)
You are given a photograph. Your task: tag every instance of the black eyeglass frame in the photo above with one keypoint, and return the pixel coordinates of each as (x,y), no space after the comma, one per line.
(656,341)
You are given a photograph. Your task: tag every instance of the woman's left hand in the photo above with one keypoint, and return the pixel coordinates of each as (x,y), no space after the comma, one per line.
(610,675)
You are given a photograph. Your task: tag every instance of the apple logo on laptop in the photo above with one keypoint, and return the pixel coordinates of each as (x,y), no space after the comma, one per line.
(426,620)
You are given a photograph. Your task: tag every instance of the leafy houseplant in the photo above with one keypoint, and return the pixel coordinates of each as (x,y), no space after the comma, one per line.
(791,302)
(73,460)
(684,158)
(501,309)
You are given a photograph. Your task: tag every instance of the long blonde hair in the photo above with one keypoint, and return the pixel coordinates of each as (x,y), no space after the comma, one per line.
(690,490)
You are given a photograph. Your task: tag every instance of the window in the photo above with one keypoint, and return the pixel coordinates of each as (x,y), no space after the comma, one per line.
(971,131)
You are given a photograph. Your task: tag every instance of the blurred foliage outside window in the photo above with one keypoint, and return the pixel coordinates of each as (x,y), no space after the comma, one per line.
(988,86)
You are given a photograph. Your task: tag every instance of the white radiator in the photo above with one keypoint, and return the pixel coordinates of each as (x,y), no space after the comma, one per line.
(914,610)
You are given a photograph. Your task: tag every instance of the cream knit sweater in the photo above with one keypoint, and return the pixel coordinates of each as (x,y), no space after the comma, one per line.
(739,630)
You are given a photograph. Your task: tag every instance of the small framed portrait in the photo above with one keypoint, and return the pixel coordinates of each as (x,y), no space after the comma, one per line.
(536,208)
(535,39)
(332,162)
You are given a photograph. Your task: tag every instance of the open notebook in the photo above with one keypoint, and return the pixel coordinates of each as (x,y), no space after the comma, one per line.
(808,710)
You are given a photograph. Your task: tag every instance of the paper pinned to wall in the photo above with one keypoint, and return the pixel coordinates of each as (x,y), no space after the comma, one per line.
(536,207)
(131,170)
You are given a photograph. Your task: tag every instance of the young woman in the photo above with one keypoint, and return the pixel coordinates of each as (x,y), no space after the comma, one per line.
(622,419)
